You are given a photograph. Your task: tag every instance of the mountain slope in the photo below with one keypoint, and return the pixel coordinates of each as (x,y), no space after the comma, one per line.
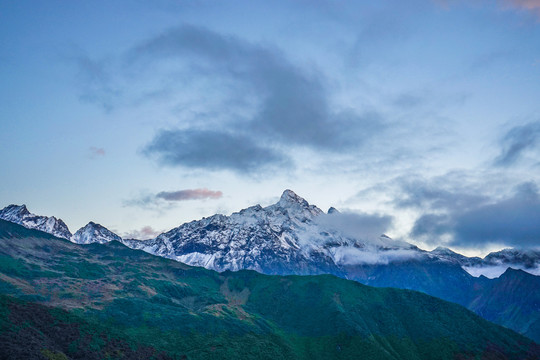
(203,314)
(34,331)
(511,299)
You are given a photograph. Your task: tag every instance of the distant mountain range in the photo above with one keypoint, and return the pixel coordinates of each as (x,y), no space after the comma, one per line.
(294,237)
(128,304)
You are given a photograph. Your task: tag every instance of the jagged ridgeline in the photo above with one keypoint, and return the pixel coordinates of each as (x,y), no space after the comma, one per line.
(118,297)
(292,237)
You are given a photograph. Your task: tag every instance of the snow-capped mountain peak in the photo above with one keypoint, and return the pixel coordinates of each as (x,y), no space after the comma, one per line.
(14,213)
(290,197)
(94,233)
(19,214)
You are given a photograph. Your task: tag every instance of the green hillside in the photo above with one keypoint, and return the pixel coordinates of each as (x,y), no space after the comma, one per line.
(168,306)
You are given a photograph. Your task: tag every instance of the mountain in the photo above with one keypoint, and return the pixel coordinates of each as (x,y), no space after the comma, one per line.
(35,331)
(90,233)
(193,313)
(292,237)
(94,233)
(512,300)
(289,237)
(20,215)
(496,263)
(445,253)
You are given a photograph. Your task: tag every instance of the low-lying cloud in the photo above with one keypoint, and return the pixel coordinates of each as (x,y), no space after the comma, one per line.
(353,256)
(361,226)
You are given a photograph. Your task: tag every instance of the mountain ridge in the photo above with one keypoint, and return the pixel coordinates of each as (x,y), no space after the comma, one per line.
(294,237)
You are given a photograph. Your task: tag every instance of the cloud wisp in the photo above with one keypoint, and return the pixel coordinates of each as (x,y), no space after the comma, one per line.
(167,199)
(145,233)
(96,152)
(190,194)
(527,5)
(518,142)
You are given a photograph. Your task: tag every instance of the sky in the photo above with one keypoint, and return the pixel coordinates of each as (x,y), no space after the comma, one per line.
(144,115)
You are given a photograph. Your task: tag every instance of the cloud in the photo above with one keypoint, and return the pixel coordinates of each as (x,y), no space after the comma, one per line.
(532,6)
(96,82)
(145,233)
(441,193)
(360,239)
(528,5)
(190,194)
(511,221)
(166,199)
(290,105)
(353,256)
(362,226)
(96,152)
(518,142)
(213,150)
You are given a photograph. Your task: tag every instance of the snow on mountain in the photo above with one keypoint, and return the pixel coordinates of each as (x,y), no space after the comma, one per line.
(446,254)
(284,238)
(288,237)
(94,233)
(19,214)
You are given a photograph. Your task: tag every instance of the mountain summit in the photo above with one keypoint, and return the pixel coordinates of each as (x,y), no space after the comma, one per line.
(19,214)
(92,233)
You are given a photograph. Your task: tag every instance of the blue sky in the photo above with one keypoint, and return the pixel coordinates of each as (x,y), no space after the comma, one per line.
(144,115)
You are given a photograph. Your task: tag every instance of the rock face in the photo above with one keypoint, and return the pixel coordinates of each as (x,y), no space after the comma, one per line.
(20,215)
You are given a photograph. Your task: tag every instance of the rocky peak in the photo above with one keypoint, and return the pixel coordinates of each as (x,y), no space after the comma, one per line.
(94,233)
(333,210)
(289,197)
(14,212)
(19,214)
